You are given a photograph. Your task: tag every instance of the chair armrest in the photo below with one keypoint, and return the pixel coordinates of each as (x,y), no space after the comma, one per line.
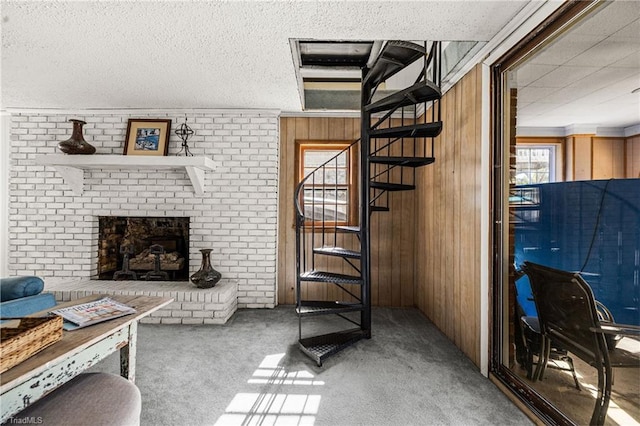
(617,329)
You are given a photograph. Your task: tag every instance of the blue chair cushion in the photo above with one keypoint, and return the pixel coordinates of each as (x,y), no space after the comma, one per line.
(17,287)
(27,305)
(524,297)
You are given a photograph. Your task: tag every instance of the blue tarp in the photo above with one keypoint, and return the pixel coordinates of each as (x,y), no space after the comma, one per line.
(587,226)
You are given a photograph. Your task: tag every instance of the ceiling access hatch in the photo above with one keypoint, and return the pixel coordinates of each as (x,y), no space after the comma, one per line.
(329,72)
(334,53)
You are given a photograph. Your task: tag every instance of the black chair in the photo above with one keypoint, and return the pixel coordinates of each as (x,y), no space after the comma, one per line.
(568,314)
(529,337)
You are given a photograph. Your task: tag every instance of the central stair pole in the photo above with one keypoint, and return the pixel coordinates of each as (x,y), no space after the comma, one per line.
(365,196)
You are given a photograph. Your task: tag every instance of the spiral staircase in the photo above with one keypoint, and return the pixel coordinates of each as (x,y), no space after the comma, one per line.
(397,137)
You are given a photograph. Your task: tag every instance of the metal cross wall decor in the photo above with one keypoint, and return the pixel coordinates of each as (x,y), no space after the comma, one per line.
(184,132)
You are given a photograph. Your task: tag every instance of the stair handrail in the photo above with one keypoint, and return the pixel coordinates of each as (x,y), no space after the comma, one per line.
(301,184)
(432,56)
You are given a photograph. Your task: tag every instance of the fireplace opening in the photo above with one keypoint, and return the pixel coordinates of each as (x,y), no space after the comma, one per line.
(152,248)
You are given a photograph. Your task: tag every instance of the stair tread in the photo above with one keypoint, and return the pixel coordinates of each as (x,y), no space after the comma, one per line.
(389,186)
(422,91)
(353,229)
(313,307)
(402,161)
(321,347)
(421,130)
(394,56)
(337,251)
(379,209)
(322,276)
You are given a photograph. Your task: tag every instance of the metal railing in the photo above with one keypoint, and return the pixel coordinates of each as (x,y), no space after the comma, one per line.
(408,146)
(323,204)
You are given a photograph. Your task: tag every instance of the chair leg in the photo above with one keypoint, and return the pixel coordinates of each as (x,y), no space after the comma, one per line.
(543,358)
(607,394)
(536,373)
(613,377)
(595,416)
(604,394)
(527,358)
(573,371)
(547,353)
(529,363)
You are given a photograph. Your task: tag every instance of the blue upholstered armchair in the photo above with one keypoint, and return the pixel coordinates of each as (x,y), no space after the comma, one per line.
(21,296)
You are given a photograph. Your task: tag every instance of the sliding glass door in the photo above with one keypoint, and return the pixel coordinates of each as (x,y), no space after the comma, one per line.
(566,195)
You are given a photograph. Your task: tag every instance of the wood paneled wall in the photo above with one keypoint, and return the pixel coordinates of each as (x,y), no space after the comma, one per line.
(595,157)
(608,158)
(392,237)
(447,211)
(586,157)
(632,157)
(426,250)
(393,233)
(581,151)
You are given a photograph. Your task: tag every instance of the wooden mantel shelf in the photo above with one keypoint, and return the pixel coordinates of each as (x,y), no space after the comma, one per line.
(71,167)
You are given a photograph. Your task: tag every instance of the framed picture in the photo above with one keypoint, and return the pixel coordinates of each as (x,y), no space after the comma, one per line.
(147,137)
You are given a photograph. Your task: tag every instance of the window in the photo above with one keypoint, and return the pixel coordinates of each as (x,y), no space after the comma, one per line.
(328,194)
(535,164)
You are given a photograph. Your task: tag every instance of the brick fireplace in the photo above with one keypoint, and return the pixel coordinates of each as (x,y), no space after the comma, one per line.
(54,232)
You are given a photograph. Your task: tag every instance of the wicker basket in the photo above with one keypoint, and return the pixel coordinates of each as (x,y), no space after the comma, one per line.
(29,337)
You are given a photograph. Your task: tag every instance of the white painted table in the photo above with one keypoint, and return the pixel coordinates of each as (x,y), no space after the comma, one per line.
(74,353)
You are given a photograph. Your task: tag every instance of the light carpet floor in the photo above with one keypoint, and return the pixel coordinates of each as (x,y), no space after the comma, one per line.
(251,372)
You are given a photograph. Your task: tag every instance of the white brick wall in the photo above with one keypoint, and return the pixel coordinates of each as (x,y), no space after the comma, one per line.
(53,233)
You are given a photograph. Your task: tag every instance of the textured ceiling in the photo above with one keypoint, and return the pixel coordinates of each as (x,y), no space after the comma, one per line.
(587,75)
(201,54)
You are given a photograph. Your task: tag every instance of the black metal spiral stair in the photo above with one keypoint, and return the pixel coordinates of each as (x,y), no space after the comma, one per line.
(390,150)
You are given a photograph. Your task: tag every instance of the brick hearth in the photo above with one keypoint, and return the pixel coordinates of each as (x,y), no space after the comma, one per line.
(191,305)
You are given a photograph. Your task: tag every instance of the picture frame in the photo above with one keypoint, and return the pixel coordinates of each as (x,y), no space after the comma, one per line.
(149,137)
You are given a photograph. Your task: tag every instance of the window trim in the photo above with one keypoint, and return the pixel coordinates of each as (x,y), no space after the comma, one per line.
(543,142)
(553,160)
(352,171)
